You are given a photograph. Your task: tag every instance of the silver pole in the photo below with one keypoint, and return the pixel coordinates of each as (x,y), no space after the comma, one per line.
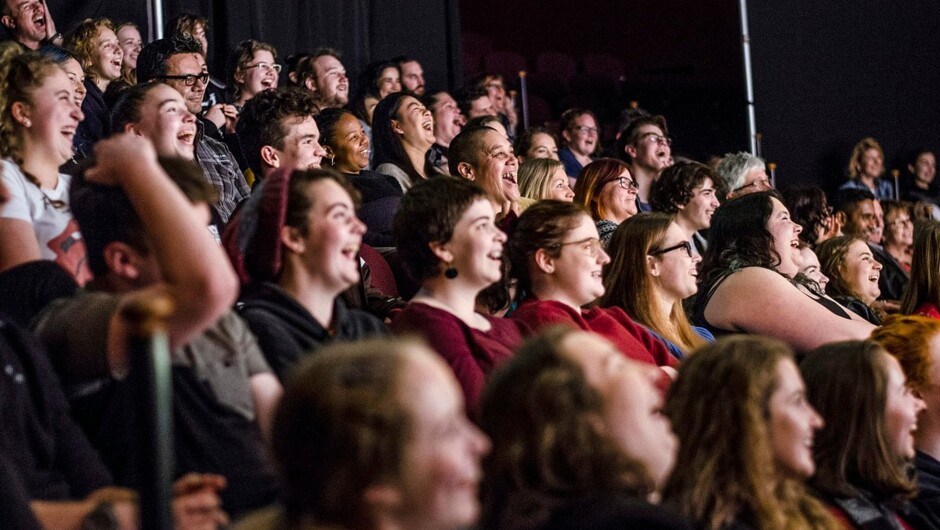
(158,18)
(748,79)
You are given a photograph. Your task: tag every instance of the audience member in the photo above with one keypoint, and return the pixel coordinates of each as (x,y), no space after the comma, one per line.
(898,237)
(30,23)
(919,187)
(322,73)
(855,211)
(157,112)
(475,102)
(403,133)
(810,209)
(853,274)
(744,468)
(652,270)
(689,191)
(73,68)
(922,295)
(380,79)
(37,125)
(130,41)
(503,104)
(578,439)
(449,242)
(296,242)
(864,476)
(865,169)
(752,256)
(96,46)
(606,188)
(537,142)
(580,138)
(193,26)
(484,156)
(544,178)
(412,75)
(493,122)
(742,173)
(645,144)
(255,70)
(448,122)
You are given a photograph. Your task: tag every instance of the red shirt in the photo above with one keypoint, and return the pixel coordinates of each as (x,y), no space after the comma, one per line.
(927,309)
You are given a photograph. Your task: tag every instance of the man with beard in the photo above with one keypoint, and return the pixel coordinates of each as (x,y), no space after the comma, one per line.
(323,74)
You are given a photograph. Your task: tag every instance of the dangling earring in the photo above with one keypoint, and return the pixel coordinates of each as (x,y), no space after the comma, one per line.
(333,160)
(450,272)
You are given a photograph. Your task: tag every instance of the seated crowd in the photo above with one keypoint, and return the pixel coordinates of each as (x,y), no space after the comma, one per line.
(401,310)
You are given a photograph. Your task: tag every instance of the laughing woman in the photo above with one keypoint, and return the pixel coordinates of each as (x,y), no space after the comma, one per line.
(402,133)
(606,188)
(558,260)
(853,274)
(347,148)
(297,241)
(449,242)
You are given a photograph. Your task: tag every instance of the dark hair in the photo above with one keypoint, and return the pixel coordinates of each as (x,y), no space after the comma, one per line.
(569,116)
(184,24)
(427,214)
(847,383)
(541,414)
(467,147)
(326,122)
(808,208)
(57,54)
(153,57)
(291,64)
(387,146)
(846,200)
(630,130)
(524,141)
(106,215)
(370,77)
(483,121)
(543,225)
(592,179)
(467,96)
(832,253)
(674,186)
(244,53)
(261,121)
(129,103)
(340,428)
(924,285)
(739,238)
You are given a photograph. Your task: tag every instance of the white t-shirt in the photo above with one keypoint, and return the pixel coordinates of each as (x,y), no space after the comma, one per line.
(56,230)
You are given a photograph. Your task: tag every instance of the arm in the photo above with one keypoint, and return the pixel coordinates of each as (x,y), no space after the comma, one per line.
(18,243)
(196,274)
(757,300)
(266,391)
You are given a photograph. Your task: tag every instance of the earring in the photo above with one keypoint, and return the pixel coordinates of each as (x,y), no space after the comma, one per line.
(450,272)
(332,161)
(27,122)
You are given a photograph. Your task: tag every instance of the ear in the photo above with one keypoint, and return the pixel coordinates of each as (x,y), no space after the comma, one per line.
(841,217)
(911,168)
(396,127)
(566,135)
(310,84)
(292,239)
(8,21)
(440,250)
(132,128)
(270,156)
(239,76)
(382,498)
(544,262)
(122,259)
(630,150)
(20,112)
(465,170)
(328,152)
(652,266)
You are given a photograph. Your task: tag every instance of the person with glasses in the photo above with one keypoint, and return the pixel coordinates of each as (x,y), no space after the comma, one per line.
(746,279)
(607,190)
(644,144)
(179,63)
(895,251)
(652,270)
(742,173)
(580,138)
(557,258)
(256,70)
(688,190)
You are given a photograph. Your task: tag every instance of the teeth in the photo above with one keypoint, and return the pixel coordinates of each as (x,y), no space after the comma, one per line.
(596,274)
(510,176)
(497,254)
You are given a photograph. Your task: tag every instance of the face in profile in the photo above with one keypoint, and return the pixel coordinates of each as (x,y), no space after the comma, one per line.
(497,171)
(576,275)
(786,238)
(441,465)
(302,149)
(166,121)
(476,247)
(618,198)
(901,410)
(54,115)
(632,403)
(131,43)
(351,145)
(810,267)
(860,270)
(792,423)
(673,267)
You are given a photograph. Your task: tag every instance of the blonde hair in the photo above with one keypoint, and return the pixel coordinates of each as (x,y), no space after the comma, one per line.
(21,74)
(854,169)
(81,41)
(535,177)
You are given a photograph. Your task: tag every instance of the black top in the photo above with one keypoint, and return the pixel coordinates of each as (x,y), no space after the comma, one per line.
(96,124)
(859,308)
(27,288)
(925,508)
(893,278)
(380,195)
(286,331)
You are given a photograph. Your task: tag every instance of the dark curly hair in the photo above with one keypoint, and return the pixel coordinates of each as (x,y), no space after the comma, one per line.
(808,208)
(427,214)
(261,121)
(674,186)
(543,225)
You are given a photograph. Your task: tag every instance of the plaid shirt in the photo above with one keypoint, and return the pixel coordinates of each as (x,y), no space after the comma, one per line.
(221,169)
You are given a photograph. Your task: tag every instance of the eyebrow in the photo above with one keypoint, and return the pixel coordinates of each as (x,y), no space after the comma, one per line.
(481,218)
(62,93)
(165,102)
(336,205)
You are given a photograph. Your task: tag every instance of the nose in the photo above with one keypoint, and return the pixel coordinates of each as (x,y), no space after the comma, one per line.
(602,257)
(319,151)
(877,265)
(479,440)
(817,421)
(500,236)
(797,229)
(358,226)
(696,258)
(77,111)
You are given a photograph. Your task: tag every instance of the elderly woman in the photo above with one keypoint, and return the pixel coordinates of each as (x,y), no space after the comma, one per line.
(853,274)
(744,468)
(858,388)
(606,188)
(652,270)
(402,134)
(578,439)
(544,178)
(448,241)
(752,257)
(865,169)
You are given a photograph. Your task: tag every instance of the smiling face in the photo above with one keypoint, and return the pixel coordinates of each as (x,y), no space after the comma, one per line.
(872,164)
(130,42)
(862,222)
(441,462)
(582,138)
(258,75)
(188,64)
(108,55)
(542,146)
(448,120)
(899,229)
(793,423)
(481,106)
(496,173)
(412,77)
(414,123)
(389,81)
(651,151)
(476,247)
(901,410)
(674,272)
(330,82)
(810,267)
(575,277)
(53,116)
(165,120)
(558,188)
(697,213)
(632,404)
(861,270)
(618,202)
(878,224)
(77,77)
(786,241)
(351,145)
(924,169)
(302,148)
(28,21)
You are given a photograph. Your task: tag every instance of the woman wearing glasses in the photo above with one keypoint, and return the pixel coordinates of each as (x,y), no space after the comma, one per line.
(652,270)
(688,191)
(580,138)
(256,70)
(747,272)
(607,190)
(558,260)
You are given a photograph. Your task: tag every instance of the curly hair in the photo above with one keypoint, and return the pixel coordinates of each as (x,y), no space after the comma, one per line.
(628,285)
(808,208)
(674,186)
(342,427)
(262,120)
(832,253)
(924,285)
(908,339)
(243,54)
(428,214)
(592,179)
(725,469)
(81,41)
(854,169)
(542,417)
(535,177)
(21,74)
(847,382)
(543,225)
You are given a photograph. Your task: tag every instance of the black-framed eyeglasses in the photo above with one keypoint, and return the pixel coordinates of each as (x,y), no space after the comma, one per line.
(627,183)
(594,245)
(684,245)
(188,79)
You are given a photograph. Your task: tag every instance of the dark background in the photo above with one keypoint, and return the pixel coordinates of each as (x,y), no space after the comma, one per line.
(825,74)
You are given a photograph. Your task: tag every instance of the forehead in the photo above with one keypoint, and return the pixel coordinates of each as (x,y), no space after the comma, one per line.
(649,128)
(479,208)
(858,247)
(542,139)
(128,32)
(300,126)
(159,94)
(390,71)
(584,119)
(72,66)
(326,62)
(105,33)
(56,80)
(327,192)
(872,152)
(185,63)
(788,376)
(444,100)
(411,67)
(492,141)
(706,183)
(263,55)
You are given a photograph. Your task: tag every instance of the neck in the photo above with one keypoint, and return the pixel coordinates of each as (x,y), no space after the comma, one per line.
(28,42)
(666,301)
(686,227)
(102,83)
(927,437)
(40,163)
(545,289)
(416,154)
(313,295)
(922,184)
(867,181)
(243,98)
(897,251)
(454,296)
(443,140)
(644,181)
(585,159)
